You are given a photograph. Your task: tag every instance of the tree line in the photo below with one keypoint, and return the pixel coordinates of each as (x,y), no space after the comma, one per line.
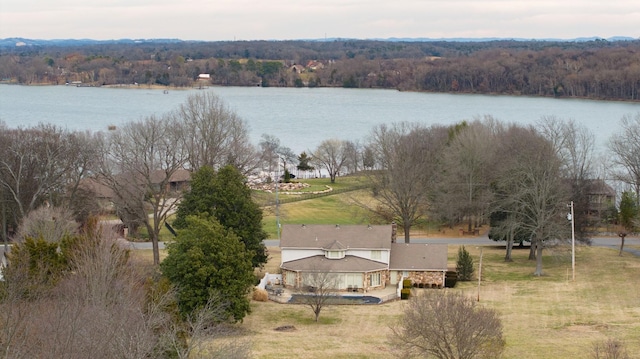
(519,179)
(593,69)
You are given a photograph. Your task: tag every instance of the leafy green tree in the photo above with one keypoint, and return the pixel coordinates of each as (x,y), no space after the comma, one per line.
(464,264)
(208,260)
(628,215)
(225,196)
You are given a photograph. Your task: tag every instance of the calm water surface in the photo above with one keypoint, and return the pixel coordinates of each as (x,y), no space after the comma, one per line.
(300,117)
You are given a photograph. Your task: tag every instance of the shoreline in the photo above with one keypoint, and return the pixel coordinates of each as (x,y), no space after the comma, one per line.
(183,88)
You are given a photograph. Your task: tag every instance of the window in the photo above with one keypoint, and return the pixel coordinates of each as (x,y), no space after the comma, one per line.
(376,255)
(334,254)
(290,278)
(374,279)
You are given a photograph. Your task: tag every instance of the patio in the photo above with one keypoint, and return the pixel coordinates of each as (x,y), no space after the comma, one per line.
(280,294)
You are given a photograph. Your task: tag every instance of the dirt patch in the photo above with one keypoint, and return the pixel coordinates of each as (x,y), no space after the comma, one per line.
(285,328)
(587,328)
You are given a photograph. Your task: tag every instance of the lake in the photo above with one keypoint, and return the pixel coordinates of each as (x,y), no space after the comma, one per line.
(300,117)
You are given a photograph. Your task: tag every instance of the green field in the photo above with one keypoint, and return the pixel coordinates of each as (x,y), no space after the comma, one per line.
(345,207)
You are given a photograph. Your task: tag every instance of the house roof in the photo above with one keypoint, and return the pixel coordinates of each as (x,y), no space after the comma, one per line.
(600,187)
(418,256)
(94,186)
(179,175)
(335,246)
(320,263)
(326,236)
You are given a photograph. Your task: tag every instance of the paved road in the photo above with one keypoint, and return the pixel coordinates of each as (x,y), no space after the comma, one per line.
(145,245)
(609,242)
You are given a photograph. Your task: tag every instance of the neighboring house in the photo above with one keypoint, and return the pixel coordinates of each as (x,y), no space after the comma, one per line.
(297,69)
(315,65)
(363,258)
(103,194)
(601,198)
(179,180)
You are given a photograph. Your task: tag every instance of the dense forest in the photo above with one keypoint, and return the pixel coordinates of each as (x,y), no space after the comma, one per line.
(598,69)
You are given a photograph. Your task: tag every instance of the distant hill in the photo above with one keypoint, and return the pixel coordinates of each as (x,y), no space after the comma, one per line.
(19,41)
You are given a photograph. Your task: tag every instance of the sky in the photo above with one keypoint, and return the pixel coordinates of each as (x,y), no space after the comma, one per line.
(226,20)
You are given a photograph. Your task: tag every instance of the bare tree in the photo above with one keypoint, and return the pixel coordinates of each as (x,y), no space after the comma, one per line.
(467,170)
(269,146)
(272,152)
(353,151)
(36,166)
(408,155)
(530,191)
(193,336)
(139,162)
(574,145)
(214,135)
(97,310)
(319,289)
(49,223)
(625,148)
(332,155)
(447,325)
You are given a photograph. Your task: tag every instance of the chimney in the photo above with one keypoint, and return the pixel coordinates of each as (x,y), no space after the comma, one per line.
(394,232)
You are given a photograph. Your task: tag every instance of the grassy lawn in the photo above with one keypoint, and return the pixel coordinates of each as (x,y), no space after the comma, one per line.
(544,317)
(332,209)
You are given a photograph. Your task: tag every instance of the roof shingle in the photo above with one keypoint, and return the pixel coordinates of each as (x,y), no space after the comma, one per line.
(324,236)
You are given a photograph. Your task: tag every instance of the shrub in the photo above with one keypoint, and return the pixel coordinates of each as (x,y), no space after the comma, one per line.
(609,349)
(260,295)
(406,283)
(438,323)
(464,265)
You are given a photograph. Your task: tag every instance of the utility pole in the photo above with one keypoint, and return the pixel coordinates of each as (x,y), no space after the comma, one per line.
(573,245)
(479,273)
(277,181)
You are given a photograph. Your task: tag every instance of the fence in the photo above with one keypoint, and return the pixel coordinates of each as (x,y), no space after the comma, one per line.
(313,195)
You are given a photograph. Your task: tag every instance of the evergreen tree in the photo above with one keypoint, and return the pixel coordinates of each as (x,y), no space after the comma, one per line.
(304,163)
(287,176)
(225,196)
(628,211)
(628,216)
(207,260)
(464,265)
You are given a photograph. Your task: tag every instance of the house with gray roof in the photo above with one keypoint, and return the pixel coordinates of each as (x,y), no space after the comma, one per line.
(362,257)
